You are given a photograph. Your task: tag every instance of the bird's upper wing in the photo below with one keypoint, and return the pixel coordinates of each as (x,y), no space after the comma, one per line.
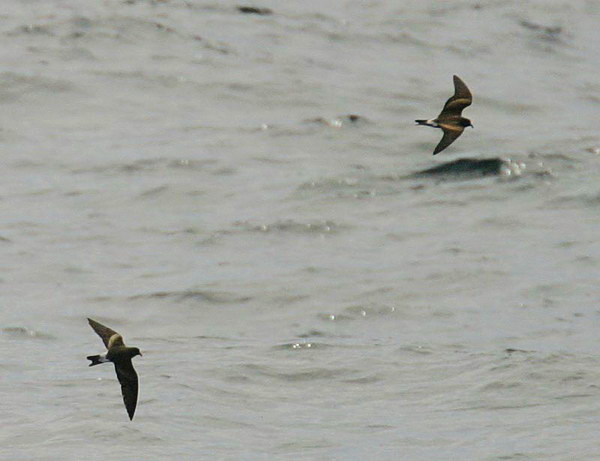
(462,98)
(129,384)
(450,134)
(109,337)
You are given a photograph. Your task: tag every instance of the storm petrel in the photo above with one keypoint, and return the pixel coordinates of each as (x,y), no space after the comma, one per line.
(121,356)
(450,119)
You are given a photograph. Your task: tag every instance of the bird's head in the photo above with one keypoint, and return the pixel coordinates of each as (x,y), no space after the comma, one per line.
(135,351)
(465,122)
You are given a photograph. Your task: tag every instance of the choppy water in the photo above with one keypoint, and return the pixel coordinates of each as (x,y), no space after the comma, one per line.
(190,176)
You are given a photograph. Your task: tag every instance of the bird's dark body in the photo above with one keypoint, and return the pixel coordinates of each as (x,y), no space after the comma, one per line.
(120,355)
(450,119)
(115,354)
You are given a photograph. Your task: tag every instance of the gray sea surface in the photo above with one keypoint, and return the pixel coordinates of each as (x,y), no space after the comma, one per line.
(237,195)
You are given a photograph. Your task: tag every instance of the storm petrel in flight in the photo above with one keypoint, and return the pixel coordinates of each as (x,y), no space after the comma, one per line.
(121,356)
(450,119)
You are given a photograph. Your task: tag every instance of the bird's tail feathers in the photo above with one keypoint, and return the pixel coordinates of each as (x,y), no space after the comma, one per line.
(432,123)
(96,359)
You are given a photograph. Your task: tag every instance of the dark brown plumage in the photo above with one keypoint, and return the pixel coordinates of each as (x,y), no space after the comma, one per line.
(450,119)
(121,356)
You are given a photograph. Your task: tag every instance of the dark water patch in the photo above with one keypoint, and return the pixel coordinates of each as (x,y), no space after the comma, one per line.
(129,168)
(301,375)
(154,191)
(76,270)
(287,299)
(125,29)
(334,317)
(595,149)
(156,164)
(189,164)
(225,171)
(212,297)
(255,10)
(320,334)
(520,455)
(279,131)
(360,311)
(338,122)
(25,333)
(550,33)
(442,202)
(101,299)
(511,350)
(470,168)
(568,201)
(592,200)
(32,29)
(368,379)
(121,28)
(347,187)
(273,160)
(183,231)
(567,160)
(578,395)
(222,423)
(293,227)
(357,312)
(313,334)
(568,244)
(304,345)
(416,349)
(15,85)
(81,22)
(586,260)
(163,28)
(501,222)
(214,238)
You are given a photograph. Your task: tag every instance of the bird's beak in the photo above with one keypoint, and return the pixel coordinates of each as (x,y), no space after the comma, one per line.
(472,126)
(141,354)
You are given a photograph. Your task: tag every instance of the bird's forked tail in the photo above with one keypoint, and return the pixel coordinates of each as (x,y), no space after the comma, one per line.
(427,123)
(96,360)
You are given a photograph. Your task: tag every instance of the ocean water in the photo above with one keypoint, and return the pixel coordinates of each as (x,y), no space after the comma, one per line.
(191,176)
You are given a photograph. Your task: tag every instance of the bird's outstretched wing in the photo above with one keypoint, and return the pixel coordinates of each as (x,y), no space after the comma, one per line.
(109,337)
(129,384)
(462,98)
(450,135)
